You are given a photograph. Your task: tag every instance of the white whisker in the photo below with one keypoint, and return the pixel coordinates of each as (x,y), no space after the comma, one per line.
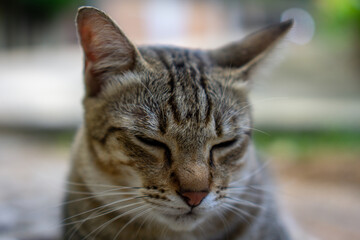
(93,216)
(239,210)
(253,173)
(163,232)
(243,192)
(227,207)
(244,202)
(103,206)
(223,220)
(145,219)
(257,130)
(101,185)
(133,219)
(95,196)
(102,226)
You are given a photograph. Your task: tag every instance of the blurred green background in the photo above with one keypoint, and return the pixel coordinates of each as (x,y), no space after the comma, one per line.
(306,110)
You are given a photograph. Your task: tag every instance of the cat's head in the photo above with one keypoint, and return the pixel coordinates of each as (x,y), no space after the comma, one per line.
(173,123)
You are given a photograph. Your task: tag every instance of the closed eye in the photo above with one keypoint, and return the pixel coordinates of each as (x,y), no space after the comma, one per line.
(154,143)
(225,144)
(221,145)
(151,142)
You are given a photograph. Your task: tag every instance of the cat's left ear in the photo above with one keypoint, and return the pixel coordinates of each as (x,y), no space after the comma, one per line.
(241,58)
(106,48)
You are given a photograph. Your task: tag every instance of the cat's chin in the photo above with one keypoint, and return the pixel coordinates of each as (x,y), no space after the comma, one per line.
(181,222)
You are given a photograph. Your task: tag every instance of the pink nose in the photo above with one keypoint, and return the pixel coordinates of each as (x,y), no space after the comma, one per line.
(193,198)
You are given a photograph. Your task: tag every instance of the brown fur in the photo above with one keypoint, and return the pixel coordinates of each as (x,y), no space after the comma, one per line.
(161,122)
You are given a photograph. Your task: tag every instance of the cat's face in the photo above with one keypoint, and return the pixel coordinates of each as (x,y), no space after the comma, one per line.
(189,137)
(172,123)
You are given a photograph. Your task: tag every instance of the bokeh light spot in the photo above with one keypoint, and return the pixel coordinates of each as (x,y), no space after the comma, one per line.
(304,27)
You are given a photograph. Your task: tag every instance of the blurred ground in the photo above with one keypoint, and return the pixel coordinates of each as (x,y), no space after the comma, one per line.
(32,176)
(321,191)
(323,195)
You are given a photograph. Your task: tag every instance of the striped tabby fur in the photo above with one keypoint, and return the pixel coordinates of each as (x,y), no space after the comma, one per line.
(166,151)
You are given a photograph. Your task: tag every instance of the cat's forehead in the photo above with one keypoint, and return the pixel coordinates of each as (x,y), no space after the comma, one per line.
(193,91)
(176,89)
(153,108)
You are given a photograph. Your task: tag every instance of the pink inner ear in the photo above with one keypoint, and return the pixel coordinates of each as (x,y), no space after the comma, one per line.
(86,41)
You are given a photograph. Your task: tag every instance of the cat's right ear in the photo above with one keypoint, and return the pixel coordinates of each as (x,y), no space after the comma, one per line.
(106,48)
(240,59)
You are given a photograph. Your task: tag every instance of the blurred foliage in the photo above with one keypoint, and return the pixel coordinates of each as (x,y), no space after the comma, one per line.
(341,12)
(339,16)
(44,5)
(299,146)
(37,9)
(32,22)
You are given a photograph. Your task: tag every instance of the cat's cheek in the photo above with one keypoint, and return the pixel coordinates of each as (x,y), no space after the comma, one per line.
(119,156)
(111,162)
(112,151)
(100,151)
(219,161)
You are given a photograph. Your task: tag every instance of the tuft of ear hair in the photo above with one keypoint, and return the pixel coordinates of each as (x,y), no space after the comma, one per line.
(241,58)
(106,48)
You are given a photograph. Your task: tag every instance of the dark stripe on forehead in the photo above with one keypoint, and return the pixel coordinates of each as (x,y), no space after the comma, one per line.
(218,125)
(194,76)
(169,67)
(203,83)
(163,124)
(190,85)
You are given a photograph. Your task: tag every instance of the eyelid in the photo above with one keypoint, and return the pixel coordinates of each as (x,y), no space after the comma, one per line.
(154,143)
(151,142)
(225,144)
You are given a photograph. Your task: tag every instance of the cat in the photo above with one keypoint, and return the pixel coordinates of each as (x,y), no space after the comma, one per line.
(166,149)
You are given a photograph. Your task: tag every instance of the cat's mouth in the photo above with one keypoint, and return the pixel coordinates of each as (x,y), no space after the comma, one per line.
(181,218)
(189,214)
(187,217)
(182,221)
